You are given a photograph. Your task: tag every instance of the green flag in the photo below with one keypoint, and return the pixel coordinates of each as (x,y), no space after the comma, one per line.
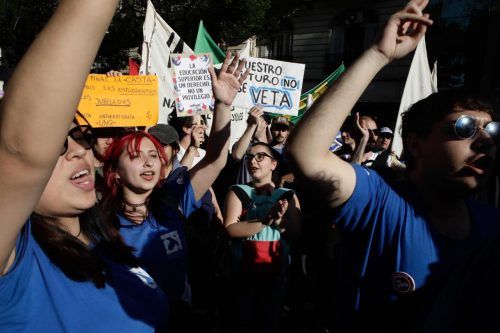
(205,44)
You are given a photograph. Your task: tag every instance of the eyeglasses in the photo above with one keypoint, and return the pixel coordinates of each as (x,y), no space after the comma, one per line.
(82,135)
(465,127)
(259,157)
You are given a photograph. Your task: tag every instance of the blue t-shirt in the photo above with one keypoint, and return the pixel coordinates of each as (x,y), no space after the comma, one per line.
(36,296)
(160,241)
(391,249)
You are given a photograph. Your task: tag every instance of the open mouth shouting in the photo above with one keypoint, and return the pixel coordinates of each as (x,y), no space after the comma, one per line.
(83,179)
(480,164)
(148,175)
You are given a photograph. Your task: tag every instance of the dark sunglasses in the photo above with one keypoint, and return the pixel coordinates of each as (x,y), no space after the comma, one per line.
(82,135)
(466,127)
(258,157)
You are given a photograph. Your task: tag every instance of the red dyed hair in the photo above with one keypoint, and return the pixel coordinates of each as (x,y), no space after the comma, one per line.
(132,143)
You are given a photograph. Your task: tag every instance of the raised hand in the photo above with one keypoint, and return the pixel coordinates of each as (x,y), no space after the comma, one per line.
(277,212)
(404,30)
(260,133)
(363,130)
(113,73)
(229,80)
(198,135)
(255,113)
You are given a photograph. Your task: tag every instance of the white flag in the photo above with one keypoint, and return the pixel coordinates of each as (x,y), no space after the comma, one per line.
(420,83)
(310,101)
(238,115)
(159,41)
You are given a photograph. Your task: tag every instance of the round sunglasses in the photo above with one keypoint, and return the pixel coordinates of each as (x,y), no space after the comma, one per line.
(465,127)
(82,135)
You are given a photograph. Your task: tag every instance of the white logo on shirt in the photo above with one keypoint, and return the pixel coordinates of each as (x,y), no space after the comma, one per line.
(144,277)
(172,242)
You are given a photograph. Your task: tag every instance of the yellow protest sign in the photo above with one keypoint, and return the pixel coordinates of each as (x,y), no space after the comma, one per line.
(120,101)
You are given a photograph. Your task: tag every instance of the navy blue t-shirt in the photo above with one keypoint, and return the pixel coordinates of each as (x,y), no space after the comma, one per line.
(36,296)
(160,241)
(390,247)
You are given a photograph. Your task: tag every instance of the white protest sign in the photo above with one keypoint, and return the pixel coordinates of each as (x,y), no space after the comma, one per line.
(238,124)
(274,85)
(160,40)
(192,84)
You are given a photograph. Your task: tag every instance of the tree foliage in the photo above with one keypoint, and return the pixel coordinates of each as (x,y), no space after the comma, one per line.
(21,21)
(229,21)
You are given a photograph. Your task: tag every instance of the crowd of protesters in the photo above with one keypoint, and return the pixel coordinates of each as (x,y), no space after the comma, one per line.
(120,229)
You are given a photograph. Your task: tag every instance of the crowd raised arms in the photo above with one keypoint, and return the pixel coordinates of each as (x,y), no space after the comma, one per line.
(119,229)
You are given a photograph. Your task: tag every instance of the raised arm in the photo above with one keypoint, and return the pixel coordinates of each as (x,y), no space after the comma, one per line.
(39,105)
(284,215)
(197,138)
(357,156)
(232,212)
(225,86)
(308,144)
(241,146)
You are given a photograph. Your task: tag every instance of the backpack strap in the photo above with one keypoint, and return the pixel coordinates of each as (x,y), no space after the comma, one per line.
(280,192)
(245,194)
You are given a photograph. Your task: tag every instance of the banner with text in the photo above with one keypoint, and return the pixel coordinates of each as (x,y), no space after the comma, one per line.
(160,40)
(238,124)
(192,84)
(120,101)
(274,85)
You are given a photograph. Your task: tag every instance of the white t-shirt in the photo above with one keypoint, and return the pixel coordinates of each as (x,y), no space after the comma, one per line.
(182,151)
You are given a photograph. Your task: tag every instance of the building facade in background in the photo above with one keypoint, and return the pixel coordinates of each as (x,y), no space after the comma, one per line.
(464,40)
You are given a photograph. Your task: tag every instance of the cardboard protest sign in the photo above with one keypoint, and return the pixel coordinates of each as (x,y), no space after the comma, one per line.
(192,84)
(275,85)
(120,101)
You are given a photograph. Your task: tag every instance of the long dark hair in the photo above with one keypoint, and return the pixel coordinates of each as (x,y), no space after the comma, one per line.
(78,261)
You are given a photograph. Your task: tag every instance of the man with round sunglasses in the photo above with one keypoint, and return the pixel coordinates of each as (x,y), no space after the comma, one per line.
(399,238)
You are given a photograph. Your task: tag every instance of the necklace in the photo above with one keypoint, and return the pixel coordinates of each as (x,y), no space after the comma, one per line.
(134,206)
(136,215)
(79,233)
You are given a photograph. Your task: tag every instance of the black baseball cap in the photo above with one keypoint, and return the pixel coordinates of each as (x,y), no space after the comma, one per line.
(164,133)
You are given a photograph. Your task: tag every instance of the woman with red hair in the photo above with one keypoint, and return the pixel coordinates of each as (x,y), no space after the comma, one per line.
(148,212)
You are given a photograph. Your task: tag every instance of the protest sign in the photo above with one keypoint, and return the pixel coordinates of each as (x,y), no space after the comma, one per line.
(160,40)
(120,101)
(274,85)
(238,124)
(192,84)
